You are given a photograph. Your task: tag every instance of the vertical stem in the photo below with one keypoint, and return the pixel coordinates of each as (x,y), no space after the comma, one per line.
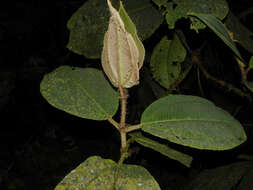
(122,126)
(123,139)
(123,99)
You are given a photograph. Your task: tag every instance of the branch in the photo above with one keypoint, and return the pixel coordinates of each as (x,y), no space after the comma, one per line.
(114,123)
(220,82)
(133,127)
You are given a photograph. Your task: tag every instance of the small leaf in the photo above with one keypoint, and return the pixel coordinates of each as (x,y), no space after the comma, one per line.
(166,61)
(81,92)
(192,121)
(251,62)
(219,29)
(96,173)
(163,149)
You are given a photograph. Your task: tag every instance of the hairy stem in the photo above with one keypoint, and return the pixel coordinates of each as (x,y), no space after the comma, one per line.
(123,139)
(132,127)
(122,125)
(123,101)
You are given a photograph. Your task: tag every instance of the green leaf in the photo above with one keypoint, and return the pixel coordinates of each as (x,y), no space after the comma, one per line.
(166,61)
(192,121)
(98,174)
(234,176)
(178,9)
(241,34)
(88,24)
(251,62)
(83,92)
(130,27)
(219,29)
(163,149)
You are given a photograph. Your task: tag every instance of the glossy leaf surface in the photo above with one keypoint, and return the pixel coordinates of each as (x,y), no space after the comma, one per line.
(192,121)
(83,92)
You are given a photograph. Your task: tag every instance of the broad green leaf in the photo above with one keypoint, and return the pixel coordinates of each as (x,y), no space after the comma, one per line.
(166,61)
(83,92)
(88,24)
(163,149)
(241,34)
(192,121)
(98,174)
(219,29)
(234,176)
(178,9)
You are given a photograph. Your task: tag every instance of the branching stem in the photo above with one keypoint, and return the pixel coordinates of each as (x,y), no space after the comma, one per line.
(114,123)
(132,128)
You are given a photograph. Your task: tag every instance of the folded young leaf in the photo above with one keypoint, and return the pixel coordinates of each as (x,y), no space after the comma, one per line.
(123,52)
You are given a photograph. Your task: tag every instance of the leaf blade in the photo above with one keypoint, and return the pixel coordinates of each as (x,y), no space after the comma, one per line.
(192,121)
(96,173)
(89,23)
(163,149)
(166,61)
(77,91)
(218,28)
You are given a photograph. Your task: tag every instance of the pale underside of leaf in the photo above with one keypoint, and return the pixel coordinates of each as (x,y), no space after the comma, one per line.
(120,54)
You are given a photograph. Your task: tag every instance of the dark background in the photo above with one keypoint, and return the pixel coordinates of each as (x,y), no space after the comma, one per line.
(39,144)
